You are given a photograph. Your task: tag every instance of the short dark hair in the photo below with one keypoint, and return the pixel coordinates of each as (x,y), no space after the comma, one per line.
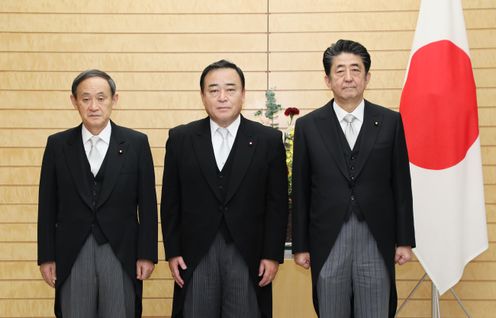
(92,73)
(345,46)
(218,65)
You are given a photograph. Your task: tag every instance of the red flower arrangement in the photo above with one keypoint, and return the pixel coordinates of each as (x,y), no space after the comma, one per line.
(291,111)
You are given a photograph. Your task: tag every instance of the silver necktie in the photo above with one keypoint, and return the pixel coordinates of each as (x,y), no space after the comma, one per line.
(349,131)
(94,157)
(223,151)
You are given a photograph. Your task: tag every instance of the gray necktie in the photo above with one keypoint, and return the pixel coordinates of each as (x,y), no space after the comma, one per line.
(349,131)
(94,157)
(223,152)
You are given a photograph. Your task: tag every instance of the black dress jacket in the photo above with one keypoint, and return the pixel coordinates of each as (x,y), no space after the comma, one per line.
(323,187)
(254,209)
(125,211)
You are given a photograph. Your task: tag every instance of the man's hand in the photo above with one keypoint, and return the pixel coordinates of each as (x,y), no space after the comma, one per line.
(403,254)
(174,264)
(302,259)
(48,273)
(144,268)
(267,270)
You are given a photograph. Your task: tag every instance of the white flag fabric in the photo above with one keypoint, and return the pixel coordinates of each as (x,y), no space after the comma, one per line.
(439,110)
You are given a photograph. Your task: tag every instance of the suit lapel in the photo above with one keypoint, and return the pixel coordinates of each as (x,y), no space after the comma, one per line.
(245,147)
(329,134)
(76,162)
(116,154)
(372,122)
(202,144)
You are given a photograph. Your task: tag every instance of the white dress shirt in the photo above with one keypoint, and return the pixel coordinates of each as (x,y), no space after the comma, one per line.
(217,139)
(102,145)
(358,113)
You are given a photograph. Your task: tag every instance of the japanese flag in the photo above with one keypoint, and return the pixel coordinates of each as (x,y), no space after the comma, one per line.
(439,110)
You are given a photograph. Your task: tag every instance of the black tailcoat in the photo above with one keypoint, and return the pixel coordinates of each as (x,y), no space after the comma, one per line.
(126,209)
(322,186)
(254,208)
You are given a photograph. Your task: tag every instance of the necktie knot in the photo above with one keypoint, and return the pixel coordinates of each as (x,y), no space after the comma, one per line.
(223,132)
(349,118)
(94,140)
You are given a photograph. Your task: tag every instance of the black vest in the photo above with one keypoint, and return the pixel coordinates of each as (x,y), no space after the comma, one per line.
(351,159)
(95,183)
(223,178)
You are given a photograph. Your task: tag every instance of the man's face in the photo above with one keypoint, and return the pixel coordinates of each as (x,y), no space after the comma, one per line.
(223,95)
(94,102)
(347,78)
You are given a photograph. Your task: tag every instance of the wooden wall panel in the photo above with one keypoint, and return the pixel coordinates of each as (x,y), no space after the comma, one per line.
(17,271)
(488,136)
(490,193)
(312,61)
(126,80)
(313,98)
(37,137)
(60,118)
(18,252)
(14,213)
(133,23)
(488,155)
(128,99)
(381,60)
(387,40)
(296,6)
(343,21)
(31,157)
(131,6)
(20,156)
(126,62)
(475,271)
(136,43)
(155,50)
(491,212)
(305,80)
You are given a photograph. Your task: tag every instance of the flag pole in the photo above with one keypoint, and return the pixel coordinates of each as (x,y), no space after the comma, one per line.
(409,297)
(460,302)
(435,306)
(436,310)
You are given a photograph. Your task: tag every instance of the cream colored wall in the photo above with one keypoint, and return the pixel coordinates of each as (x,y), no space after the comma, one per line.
(155,50)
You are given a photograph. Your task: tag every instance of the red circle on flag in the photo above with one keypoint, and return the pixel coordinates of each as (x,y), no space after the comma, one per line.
(439,106)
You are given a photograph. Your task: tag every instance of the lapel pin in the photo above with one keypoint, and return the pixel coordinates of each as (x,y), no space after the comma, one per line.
(121,151)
